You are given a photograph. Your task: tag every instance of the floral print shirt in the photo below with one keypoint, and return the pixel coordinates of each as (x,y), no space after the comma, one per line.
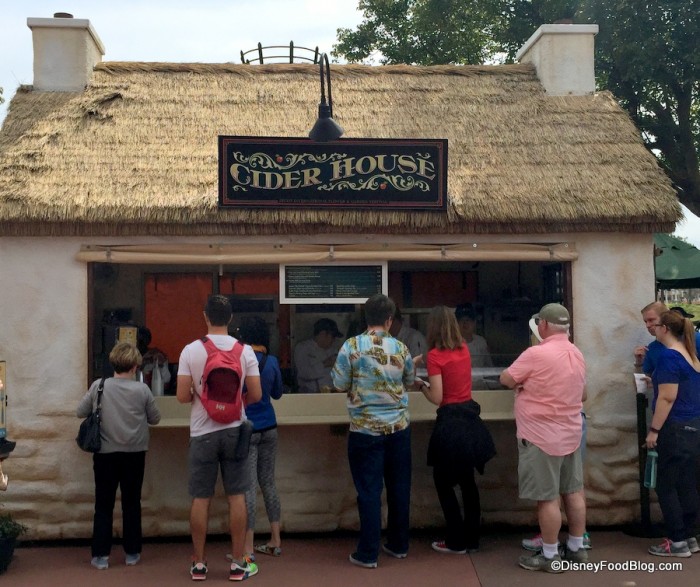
(374,369)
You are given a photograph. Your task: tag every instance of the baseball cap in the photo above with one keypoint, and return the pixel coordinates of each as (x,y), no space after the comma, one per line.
(554,314)
(682,312)
(327,325)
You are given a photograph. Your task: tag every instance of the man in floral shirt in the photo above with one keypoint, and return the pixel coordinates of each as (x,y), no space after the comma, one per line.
(375,370)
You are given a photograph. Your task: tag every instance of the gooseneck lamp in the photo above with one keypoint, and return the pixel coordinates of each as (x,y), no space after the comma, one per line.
(326,129)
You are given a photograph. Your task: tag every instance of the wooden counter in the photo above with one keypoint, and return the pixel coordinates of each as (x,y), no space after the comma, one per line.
(330,408)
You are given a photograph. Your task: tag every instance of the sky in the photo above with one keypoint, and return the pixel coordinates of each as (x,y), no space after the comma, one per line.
(208,31)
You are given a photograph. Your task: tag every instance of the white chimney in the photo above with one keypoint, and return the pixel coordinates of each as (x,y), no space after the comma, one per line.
(65,51)
(563,57)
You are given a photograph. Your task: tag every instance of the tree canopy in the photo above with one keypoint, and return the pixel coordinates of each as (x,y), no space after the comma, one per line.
(647,55)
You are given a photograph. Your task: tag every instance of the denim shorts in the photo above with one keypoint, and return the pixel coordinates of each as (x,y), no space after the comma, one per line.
(209,453)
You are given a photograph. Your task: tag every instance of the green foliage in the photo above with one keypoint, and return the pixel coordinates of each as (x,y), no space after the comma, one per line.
(647,55)
(421,32)
(9,528)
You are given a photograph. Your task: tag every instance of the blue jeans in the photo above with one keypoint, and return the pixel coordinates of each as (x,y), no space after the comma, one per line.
(375,461)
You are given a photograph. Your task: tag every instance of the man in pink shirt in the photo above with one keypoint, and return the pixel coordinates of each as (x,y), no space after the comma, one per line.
(549,382)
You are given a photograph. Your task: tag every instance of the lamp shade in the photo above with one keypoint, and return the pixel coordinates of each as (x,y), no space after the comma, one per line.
(325,129)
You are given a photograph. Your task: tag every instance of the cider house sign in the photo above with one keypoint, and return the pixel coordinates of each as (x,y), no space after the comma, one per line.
(393,174)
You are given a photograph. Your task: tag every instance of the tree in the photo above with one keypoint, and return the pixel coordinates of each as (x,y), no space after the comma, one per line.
(650,60)
(647,55)
(422,32)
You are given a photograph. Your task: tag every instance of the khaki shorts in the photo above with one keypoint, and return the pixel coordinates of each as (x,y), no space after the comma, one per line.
(542,477)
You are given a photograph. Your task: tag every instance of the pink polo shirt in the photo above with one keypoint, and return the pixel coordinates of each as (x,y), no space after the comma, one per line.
(548,409)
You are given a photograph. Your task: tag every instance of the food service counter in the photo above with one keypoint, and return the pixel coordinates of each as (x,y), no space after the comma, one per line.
(330,408)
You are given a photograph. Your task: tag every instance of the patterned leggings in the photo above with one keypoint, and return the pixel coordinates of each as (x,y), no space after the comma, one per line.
(263,450)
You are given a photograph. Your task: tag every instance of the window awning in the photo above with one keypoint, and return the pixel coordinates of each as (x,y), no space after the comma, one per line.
(236,254)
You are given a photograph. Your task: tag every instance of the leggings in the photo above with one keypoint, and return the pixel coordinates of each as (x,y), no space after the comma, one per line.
(261,460)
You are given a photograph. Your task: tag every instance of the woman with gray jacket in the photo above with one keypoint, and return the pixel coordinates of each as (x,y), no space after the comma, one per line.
(128,408)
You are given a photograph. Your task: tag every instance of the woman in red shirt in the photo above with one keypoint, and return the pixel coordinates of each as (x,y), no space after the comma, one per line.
(460,441)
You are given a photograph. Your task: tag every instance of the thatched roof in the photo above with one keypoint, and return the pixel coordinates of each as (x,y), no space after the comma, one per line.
(136,152)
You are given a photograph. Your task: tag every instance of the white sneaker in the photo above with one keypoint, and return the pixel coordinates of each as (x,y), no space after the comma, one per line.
(100,562)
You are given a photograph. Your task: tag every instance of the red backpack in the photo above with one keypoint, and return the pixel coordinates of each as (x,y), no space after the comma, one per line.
(221,382)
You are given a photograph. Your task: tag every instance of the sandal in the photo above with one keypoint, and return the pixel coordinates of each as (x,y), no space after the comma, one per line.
(267,549)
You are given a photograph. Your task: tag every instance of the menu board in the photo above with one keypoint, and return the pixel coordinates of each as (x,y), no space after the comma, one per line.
(331,283)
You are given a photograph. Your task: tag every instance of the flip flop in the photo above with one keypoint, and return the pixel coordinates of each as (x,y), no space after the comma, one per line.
(267,549)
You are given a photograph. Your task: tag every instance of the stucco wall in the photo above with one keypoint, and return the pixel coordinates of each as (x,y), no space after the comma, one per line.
(43,338)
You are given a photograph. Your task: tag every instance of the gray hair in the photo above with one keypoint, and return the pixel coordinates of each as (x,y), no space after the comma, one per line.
(560,328)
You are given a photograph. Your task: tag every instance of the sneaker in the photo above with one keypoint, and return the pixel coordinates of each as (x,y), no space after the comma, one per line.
(100,562)
(198,571)
(393,553)
(239,573)
(574,556)
(538,562)
(666,548)
(249,558)
(132,559)
(440,546)
(693,545)
(533,544)
(587,544)
(356,561)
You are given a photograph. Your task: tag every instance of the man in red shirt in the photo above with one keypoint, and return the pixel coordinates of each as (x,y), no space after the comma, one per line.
(549,382)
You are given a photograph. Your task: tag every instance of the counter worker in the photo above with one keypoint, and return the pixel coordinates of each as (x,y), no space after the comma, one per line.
(412,338)
(152,358)
(314,358)
(478,349)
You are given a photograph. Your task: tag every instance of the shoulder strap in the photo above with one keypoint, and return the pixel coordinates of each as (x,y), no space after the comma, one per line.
(100,389)
(210,347)
(261,364)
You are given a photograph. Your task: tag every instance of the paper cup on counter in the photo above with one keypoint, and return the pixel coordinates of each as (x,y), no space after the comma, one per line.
(640,381)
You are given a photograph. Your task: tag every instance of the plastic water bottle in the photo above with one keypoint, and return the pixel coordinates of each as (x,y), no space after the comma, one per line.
(650,471)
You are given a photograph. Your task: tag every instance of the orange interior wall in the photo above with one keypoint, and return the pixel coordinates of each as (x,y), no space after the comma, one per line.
(173,308)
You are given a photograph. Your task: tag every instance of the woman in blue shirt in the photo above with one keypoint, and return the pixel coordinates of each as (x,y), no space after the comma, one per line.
(675,433)
(263,443)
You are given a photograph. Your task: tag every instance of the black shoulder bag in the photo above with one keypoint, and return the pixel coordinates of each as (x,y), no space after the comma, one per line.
(88,438)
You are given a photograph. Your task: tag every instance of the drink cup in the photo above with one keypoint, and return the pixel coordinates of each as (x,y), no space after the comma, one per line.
(640,381)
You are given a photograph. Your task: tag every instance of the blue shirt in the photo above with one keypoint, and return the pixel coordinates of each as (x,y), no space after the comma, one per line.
(262,414)
(654,350)
(673,368)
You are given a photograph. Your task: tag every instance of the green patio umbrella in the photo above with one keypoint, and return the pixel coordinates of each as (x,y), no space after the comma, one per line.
(677,263)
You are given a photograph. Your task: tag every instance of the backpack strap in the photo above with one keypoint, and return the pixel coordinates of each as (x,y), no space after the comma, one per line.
(210,347)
